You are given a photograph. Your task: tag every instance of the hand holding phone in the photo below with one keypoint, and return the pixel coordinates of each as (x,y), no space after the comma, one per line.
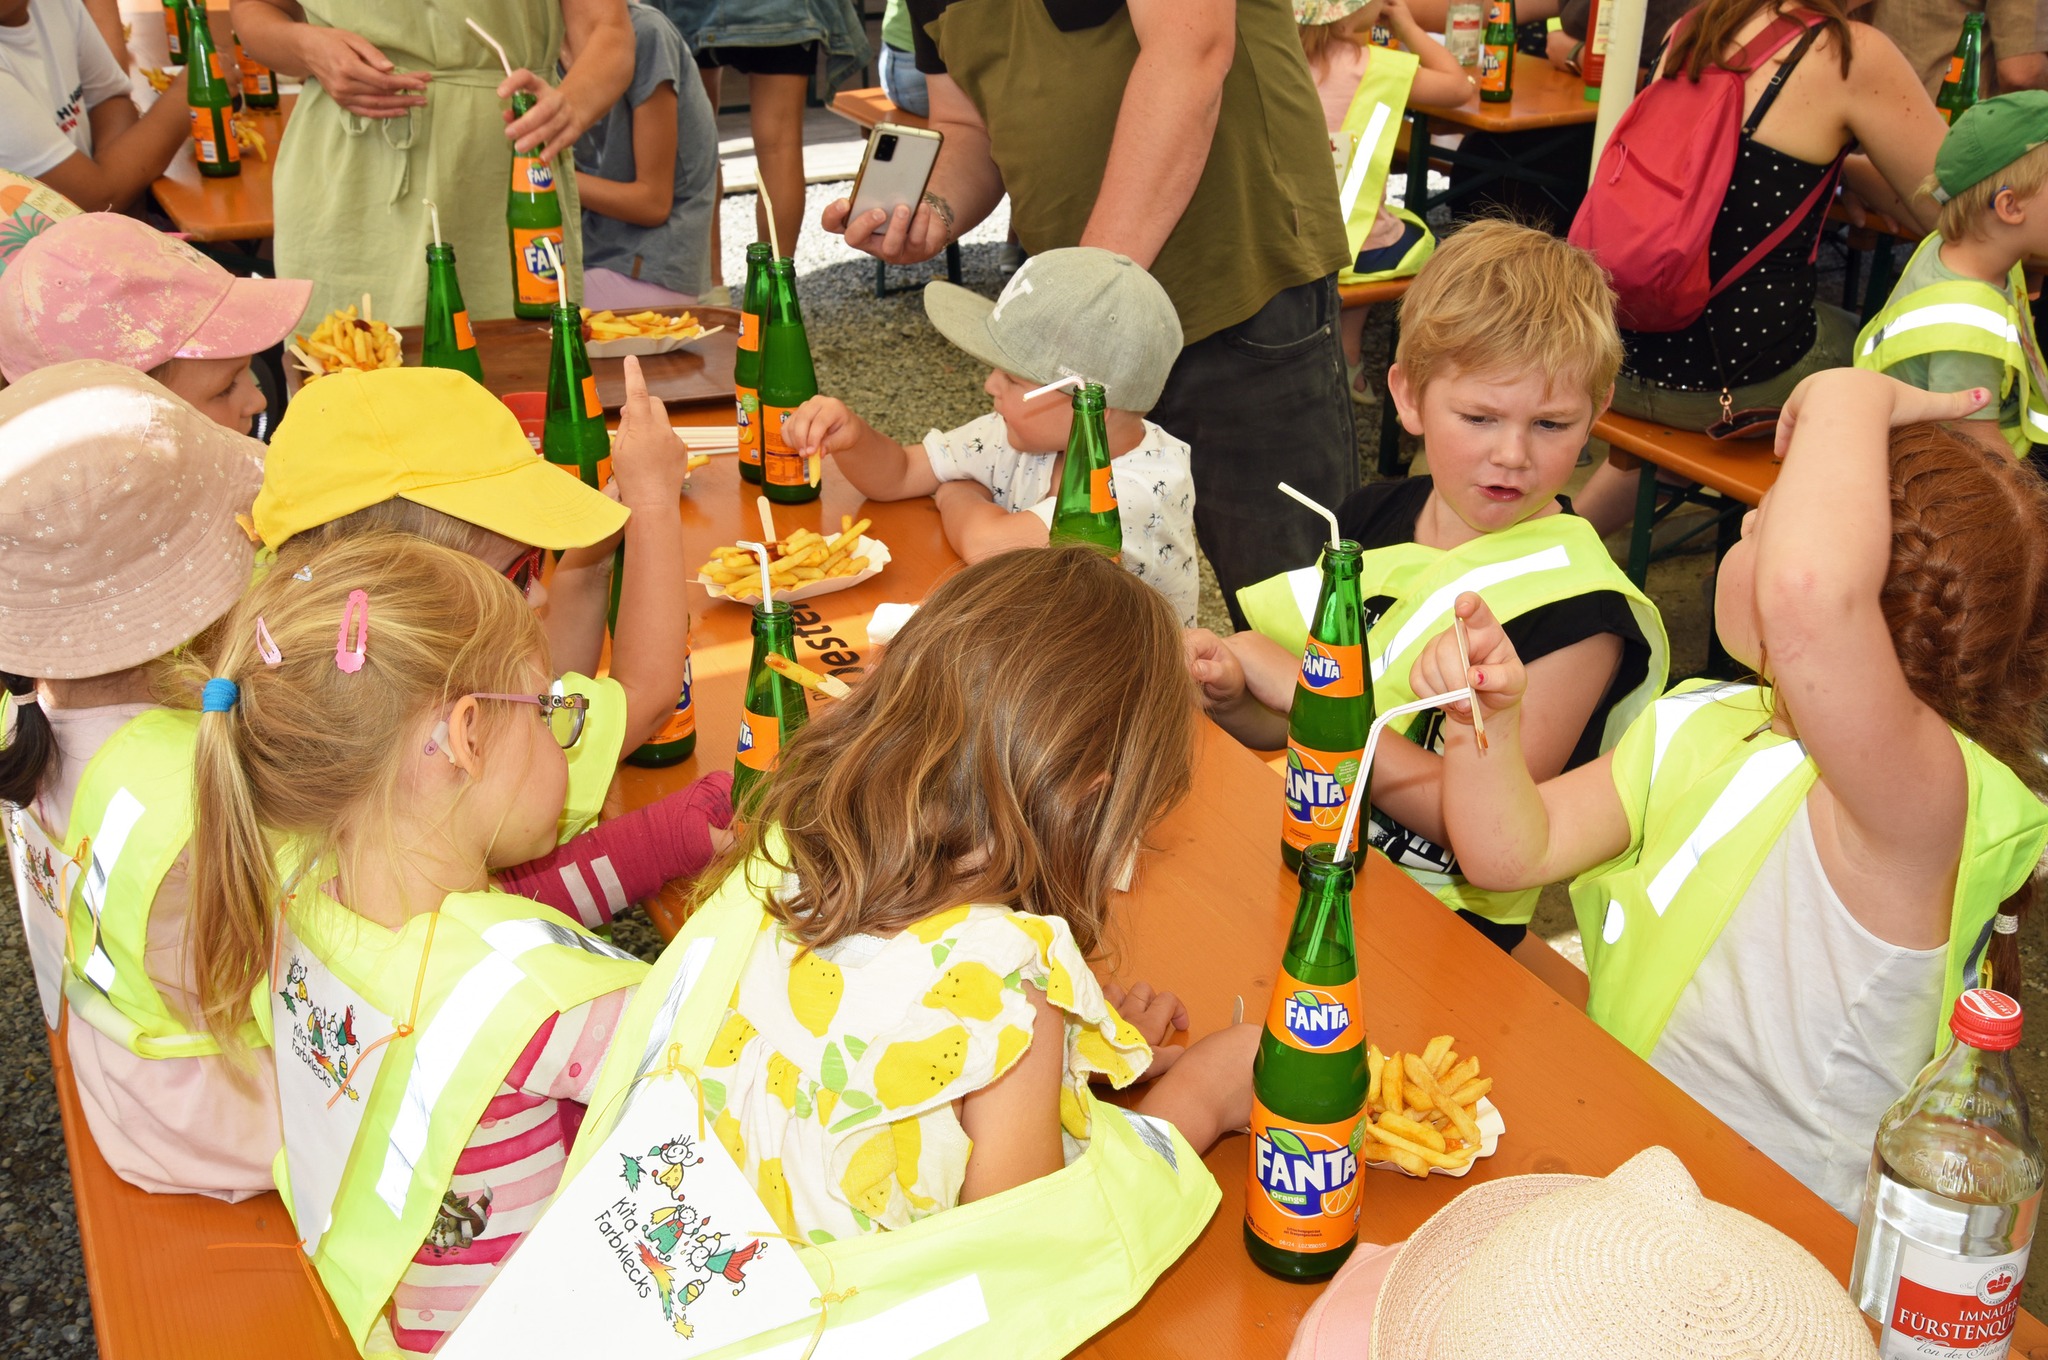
(895,169)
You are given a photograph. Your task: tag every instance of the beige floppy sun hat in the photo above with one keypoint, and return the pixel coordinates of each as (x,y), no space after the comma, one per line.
(1635,1264)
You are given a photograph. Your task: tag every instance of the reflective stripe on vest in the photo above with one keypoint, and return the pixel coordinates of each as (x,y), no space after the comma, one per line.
(1431,612)
(1373,119)
(1362,159)
(1759,775)
(124,810)
(1984,319)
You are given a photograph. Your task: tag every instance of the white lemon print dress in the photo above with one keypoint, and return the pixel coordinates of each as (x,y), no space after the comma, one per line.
(833,1079)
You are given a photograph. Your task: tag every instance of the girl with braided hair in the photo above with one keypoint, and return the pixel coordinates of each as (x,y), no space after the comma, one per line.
(1784,886)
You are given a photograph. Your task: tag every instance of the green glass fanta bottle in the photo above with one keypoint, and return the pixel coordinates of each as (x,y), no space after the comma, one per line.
(788,380)
(774,709)
(746,358)
(533,212)
(574,437)
(212,101)
(446,340)
(1085,511)
(1308,1088)
(1333,710)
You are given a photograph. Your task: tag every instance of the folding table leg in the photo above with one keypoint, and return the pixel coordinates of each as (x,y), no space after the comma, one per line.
(1390,419)
(953,261)
(1645,525)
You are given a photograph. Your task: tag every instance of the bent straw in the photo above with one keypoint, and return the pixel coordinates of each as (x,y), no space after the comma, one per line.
(434,215)
(1322,510)
(767,586)
(1071,380)
(496,46)
(1465,660)
(767,519)
(547,243)
(768,211)
(1372,741)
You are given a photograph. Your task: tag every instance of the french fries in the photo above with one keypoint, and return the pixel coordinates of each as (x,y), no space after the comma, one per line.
(1420,1107)
(344,340)
(803,557)
(831,686)
(640,325)
(252,140)
(159,79)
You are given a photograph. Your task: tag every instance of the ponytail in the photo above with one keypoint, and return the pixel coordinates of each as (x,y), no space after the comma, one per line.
(27,752)
(232,882)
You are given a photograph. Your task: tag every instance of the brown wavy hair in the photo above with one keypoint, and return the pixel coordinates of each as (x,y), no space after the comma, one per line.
(1966,599)
(1709,39)
(1013,745)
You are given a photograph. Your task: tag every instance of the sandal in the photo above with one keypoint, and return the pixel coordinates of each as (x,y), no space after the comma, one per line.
(1354,376)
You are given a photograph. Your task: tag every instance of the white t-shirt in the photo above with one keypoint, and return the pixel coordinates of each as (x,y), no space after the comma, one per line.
(53,70)
(1155,496)
(1801,1027)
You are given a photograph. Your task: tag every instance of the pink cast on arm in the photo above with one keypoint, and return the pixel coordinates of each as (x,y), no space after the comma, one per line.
(597,875)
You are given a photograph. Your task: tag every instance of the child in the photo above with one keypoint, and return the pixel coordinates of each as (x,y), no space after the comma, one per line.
(429,453)
(1076,312)
(1959,317)
(118,525)
(65,115)
(912,913)
(1364,88)
(104,286)
(647,175)
(1784,887)
(399,767)
(1508,351)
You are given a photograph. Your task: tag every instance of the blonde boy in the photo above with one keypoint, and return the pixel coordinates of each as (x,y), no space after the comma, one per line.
(1508,351)
(1959,316)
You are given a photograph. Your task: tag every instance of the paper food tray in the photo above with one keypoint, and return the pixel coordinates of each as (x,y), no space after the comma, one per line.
(1491,1127)
(645,344)
(876,552)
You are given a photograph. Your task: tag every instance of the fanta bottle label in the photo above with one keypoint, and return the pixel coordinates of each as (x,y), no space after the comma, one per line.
(1955,71)
(1304,1187)
(592,407)
(1493,68)
(749,337)
(536,274)
(747,408)
(1101,491)
(465,337)
(1315,1019)
(682,721)
(532,175)
(760,740)
(1336,671)
(780,464)
(1318,785)
(213,138)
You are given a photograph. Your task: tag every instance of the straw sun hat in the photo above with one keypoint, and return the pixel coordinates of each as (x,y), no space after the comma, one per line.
(1637,1264)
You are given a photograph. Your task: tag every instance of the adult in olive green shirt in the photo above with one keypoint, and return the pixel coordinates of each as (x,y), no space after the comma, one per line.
(1187,135)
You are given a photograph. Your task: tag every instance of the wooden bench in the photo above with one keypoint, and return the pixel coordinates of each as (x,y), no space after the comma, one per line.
(184,1277)
(864,109)
(1726,476)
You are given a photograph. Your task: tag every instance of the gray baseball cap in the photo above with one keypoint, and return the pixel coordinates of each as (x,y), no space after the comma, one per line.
(1078,312)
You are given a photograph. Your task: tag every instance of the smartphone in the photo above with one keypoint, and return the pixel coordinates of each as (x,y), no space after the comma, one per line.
(895,169)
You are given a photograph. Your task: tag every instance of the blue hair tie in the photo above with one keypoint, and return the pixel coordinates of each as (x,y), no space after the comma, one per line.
(219,696)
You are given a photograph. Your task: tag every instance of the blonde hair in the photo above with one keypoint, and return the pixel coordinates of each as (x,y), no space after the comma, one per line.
(1501,297)
(1971,209)
(401,516)
(1013,745)
(1316,38)
(309,750)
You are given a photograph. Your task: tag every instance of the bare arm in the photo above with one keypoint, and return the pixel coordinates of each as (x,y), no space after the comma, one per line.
(1440,81)
(601,38)
(579,595)
(650,645)
(1165,124)
(2023,71)
(879,468)
(127,161)
(106,17)
(1887,109)
(355,74)
(1564,689)
(647,199)
(977,527)
(965,187)
(1014,1121)
(1222,669)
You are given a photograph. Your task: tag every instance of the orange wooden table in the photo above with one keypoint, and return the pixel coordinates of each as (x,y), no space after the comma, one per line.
(1545,100)
(234,209)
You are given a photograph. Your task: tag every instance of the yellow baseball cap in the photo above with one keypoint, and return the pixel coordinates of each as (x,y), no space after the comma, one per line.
(353,439)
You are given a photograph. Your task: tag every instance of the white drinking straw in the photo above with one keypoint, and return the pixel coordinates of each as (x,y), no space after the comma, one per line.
(1071,380)
(767,588)
(547,243)
(768,211)
(434,216)
(1372,741)
(1322,510)
(496,46)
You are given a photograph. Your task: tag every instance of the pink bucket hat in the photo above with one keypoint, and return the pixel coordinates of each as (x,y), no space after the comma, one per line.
(104,286)
(118,506)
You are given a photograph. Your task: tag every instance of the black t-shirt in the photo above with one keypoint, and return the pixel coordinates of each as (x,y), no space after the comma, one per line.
(1382,515)
(1068,16)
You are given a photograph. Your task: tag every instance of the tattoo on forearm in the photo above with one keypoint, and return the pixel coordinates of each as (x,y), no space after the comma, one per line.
(942,210)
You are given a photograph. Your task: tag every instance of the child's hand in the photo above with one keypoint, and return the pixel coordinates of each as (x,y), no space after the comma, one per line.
(1909,405)
(1394,14)
(823,425)
(1215,667)
(1157,1016)
(1496,676)
(648,461)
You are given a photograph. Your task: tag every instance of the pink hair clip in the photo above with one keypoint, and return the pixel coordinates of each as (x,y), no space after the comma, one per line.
(357,610)
(266,645)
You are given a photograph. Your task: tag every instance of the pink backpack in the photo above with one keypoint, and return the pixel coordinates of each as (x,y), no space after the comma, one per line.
(1649,215)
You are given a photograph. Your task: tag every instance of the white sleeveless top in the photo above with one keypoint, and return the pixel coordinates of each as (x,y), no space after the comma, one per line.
(1801,1027)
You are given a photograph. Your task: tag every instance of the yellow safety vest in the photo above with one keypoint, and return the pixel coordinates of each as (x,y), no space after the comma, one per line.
(1969,317)
(1032,1272)
(1538,562)
(594,759)
(376,1114)
(1706,801)
(1374,124)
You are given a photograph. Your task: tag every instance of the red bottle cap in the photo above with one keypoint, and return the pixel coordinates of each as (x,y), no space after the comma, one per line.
(1986,1019)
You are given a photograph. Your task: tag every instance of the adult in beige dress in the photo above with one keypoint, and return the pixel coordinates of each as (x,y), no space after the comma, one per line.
(403,104)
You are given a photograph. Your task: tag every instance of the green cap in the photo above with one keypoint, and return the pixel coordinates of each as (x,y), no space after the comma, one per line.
(1990,135)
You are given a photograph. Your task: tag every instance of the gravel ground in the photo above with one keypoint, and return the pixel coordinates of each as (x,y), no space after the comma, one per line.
(889,365)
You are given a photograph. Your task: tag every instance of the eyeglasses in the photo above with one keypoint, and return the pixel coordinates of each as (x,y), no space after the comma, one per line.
(525,570)
(563,713)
